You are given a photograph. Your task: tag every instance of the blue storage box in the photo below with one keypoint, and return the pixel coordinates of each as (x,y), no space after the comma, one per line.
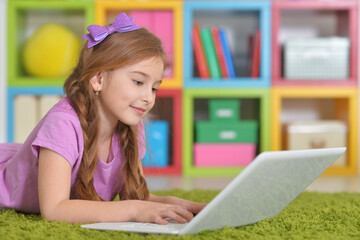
(157,143)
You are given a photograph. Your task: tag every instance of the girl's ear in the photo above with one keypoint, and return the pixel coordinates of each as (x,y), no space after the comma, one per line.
(97,82)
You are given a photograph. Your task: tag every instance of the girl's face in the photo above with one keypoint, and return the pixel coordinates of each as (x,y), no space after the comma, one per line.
(128,93)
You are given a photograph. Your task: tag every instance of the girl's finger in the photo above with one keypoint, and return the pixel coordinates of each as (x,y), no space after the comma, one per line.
(175,216)
(160,220)
(183,212)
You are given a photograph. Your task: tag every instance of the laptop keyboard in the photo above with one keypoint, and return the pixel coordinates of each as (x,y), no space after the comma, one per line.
(172,226)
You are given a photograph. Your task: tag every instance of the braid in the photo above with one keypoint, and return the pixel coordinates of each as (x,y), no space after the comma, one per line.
(81,96)
(135,186)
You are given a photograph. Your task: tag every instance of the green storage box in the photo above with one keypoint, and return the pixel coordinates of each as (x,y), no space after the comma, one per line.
(216,132)
(224,109)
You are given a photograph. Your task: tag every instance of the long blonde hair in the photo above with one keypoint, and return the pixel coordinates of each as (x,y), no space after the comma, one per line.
(117,50)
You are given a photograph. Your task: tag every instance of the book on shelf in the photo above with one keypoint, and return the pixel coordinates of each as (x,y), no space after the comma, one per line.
(227,53)
(210,53)
(219,52)
(199,54)
(255,54)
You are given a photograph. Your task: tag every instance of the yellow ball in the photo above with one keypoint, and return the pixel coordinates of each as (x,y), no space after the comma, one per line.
(52,51)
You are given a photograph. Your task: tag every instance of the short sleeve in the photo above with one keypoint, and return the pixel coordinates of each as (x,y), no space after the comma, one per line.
(61,133)
(141,140)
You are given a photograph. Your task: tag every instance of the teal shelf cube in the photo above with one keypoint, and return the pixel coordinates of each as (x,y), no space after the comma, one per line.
(240,21)
(34,92)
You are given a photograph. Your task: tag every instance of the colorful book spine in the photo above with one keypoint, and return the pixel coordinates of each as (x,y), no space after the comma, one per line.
(199,54)
(255,70)
(219,52)
(227,53)
(210,53)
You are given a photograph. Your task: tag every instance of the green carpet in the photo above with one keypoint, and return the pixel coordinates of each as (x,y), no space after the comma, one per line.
(309,216)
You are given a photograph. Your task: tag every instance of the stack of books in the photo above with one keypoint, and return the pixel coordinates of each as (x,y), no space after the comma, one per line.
(213,58)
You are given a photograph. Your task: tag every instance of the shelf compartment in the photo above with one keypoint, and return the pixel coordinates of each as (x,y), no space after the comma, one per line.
(293,19)
(162,18)
(34,110)
(169,99)
(241,19)
(313,104)
(254,106)
(24,17)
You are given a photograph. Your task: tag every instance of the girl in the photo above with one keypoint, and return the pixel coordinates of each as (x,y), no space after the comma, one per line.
(89,146)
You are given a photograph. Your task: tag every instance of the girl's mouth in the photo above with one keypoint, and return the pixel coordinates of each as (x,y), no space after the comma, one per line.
(139,110)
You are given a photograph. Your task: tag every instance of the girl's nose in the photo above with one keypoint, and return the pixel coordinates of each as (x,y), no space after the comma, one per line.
(149,96)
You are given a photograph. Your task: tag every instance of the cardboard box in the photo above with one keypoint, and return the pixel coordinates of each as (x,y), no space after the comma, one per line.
(318,134)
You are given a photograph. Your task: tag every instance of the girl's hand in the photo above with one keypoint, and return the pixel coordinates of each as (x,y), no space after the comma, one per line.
(191,206)
(153,212)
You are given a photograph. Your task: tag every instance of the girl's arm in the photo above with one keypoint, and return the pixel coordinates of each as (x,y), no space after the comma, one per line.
(54,183)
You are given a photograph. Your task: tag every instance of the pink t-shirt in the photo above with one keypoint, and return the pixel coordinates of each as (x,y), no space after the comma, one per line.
(59,131)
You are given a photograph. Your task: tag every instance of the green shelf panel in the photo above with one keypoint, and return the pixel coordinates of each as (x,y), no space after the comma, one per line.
(19,28)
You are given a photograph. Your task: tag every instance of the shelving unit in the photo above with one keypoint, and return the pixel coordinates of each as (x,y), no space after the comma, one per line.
(24,17)
(318,103)
(268,99)
(315,99)
(257,109)
(239,20)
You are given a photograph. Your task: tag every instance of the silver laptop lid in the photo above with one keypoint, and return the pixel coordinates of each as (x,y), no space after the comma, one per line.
(264,188)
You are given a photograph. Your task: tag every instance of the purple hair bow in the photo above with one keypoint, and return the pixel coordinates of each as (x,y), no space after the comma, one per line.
(122,23)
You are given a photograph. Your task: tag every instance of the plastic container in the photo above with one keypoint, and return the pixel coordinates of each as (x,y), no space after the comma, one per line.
(316,58)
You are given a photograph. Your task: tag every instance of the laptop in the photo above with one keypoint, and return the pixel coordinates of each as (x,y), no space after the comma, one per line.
(260,191)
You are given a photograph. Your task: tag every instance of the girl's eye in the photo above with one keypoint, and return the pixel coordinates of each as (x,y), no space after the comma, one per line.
(137,82)
(155,90)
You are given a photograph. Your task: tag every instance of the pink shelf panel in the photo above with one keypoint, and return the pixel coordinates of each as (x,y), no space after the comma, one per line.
(349,6)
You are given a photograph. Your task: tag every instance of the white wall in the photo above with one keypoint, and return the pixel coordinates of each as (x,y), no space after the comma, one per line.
(3,69)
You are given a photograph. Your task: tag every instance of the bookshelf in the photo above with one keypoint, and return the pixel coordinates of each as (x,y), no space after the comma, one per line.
(315,98)
(239,20)
(24,18)
(269,98)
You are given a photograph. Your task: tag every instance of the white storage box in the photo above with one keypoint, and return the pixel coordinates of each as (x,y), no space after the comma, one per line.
(316,58)
(318,134)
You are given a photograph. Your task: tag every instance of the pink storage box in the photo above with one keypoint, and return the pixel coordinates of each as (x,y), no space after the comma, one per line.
(214,154)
